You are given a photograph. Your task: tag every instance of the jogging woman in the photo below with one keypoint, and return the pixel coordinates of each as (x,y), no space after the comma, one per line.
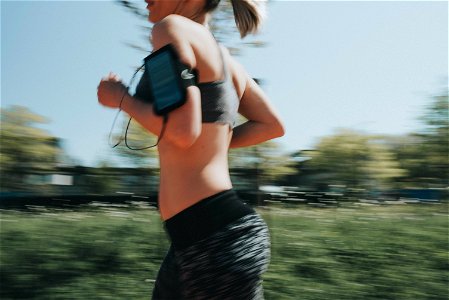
(219,246)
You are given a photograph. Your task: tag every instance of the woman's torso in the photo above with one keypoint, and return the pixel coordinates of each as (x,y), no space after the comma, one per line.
(189,175)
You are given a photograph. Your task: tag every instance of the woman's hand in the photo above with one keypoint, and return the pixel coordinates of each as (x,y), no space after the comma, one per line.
(111,91)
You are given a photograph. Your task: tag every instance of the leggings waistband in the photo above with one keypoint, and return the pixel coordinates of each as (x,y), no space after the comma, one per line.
(205,218)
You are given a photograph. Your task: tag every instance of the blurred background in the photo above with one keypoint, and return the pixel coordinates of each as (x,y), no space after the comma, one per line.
(355,194)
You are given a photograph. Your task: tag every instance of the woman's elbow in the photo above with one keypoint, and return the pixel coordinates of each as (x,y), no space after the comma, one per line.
(278,129)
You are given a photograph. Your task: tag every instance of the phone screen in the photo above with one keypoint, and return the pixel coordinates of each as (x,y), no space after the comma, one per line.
(163,81)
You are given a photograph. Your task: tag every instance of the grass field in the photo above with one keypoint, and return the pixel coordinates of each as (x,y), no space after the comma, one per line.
(100,252)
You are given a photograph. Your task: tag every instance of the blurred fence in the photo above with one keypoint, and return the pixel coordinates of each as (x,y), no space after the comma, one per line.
(265,196)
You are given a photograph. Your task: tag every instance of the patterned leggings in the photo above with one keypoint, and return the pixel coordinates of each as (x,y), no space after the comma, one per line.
(226,265)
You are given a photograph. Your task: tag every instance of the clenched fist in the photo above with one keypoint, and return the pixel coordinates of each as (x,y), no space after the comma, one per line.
(111,91)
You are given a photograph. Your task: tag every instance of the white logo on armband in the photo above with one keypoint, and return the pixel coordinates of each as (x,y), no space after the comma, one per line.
(186,75)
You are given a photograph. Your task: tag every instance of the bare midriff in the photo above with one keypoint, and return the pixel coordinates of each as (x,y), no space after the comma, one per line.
(192,174)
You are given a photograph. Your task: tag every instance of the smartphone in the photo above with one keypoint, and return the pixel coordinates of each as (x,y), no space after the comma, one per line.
(166,76)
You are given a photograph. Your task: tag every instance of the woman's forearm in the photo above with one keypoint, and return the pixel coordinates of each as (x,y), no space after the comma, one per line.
(184,126)
(252,133)
(143,113)
(111,92)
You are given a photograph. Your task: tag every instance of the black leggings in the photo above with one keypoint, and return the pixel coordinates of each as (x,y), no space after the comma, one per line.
(206,262)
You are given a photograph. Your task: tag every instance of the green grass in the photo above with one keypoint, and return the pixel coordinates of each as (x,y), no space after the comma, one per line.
(378,252)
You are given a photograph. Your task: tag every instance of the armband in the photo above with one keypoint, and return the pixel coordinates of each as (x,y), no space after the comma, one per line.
(168,79)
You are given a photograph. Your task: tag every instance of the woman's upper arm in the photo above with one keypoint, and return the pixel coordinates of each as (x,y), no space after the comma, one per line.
(170,31)
(184,124)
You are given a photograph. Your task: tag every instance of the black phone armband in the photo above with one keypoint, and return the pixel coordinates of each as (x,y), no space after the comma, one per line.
(168,79)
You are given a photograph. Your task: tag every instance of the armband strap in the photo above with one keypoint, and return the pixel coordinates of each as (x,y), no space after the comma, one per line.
(168,79)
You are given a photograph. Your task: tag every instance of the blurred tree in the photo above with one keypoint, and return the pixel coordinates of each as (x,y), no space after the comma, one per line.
(409,151)
(425,154)
(383,169)
(265,161)
(24,149)
(355,160)
(436,139)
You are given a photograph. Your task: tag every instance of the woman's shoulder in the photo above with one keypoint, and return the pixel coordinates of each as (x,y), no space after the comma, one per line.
(202,44)
(178,30)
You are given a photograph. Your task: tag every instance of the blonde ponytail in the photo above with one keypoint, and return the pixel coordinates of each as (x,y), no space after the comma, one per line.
(249,15)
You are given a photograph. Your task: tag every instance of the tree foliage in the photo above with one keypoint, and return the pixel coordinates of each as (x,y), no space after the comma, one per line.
(355,160)
(419,159)
(266,159)
(436,138)
(425,154)
(24,147)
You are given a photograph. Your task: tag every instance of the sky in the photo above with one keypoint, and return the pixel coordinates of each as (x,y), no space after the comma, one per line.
(364,65)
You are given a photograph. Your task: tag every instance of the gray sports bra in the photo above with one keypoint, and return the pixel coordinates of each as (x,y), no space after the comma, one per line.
(219,99)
